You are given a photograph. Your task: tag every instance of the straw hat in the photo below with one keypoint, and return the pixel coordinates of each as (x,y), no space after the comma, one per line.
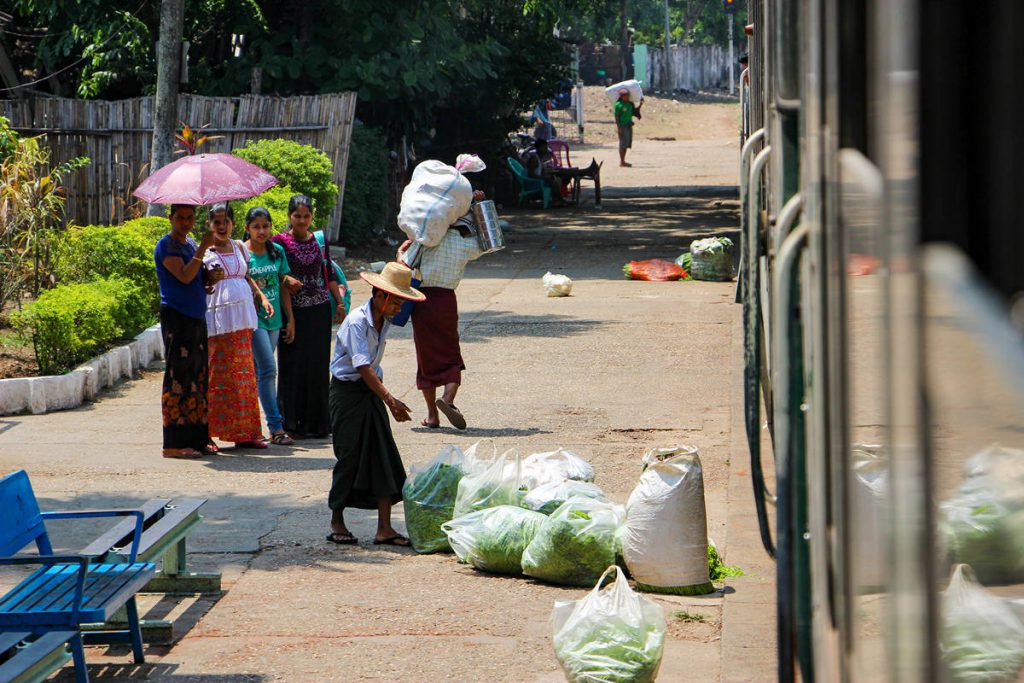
(395,279)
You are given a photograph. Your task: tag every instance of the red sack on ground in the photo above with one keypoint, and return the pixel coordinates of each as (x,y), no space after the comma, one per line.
(654,269)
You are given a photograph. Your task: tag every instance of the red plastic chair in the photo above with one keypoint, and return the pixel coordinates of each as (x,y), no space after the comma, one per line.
(560,152)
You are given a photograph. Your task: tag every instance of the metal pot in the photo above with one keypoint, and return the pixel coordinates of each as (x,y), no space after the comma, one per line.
(488,230)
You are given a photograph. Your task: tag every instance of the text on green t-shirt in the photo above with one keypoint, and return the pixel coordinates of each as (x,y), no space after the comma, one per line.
(267,274)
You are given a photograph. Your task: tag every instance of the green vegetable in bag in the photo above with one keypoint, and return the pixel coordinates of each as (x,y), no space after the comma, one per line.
(613,635)
(493,539)
(576,543)
(982,638)
(429,498)
(547,498)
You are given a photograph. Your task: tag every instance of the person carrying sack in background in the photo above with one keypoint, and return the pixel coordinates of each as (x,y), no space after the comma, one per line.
(435,322)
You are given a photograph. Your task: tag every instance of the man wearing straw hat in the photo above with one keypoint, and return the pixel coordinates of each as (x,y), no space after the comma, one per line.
(369,473)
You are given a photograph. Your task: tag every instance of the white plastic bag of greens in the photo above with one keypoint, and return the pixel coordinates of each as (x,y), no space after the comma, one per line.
(711,259)
(576,542)
(983,523)
(611,636)
(491,484)
(493,540)
(547,498)
(429,499)
(982,639)
(665,538)
(869,500)
(555,466)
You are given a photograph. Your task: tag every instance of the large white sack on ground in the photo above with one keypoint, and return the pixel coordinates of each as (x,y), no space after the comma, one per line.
(555,466)
(665,537)
(636,93)
(437,196)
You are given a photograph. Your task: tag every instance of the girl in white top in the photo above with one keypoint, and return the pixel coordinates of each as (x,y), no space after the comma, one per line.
(233,402)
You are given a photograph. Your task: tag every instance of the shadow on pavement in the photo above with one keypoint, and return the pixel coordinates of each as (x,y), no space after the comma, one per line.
(491,323)
(152,672)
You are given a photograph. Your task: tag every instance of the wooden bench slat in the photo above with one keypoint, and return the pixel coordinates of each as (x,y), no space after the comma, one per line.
(117,534)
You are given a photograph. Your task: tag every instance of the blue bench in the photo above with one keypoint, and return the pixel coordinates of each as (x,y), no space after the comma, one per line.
(25,658)
(67,590)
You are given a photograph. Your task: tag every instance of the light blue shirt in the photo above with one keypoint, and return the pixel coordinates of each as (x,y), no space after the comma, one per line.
(358,344)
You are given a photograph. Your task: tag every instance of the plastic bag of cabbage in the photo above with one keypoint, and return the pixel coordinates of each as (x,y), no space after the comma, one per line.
(983,523)
(982,638)
(576,543)
(611,636)
(547,498)
(429,497)
(555,466)
(493,539)
(490,484)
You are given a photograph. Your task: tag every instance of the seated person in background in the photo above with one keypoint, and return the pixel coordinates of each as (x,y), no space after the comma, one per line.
(539,162)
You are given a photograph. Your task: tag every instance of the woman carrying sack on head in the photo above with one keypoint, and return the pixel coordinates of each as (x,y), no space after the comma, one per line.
(302,380)
(369,473)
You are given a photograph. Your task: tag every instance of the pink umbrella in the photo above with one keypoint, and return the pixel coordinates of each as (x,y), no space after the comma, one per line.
(205,179)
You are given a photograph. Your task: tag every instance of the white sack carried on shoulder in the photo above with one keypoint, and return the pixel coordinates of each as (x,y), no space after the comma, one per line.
(437,196)
(636,93)
(557,285)
(555,466)
(665,538)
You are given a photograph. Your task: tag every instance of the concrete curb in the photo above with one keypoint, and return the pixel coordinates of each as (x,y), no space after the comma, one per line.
(40,395)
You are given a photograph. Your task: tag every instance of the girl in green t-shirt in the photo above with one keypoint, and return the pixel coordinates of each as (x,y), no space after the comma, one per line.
(268,267)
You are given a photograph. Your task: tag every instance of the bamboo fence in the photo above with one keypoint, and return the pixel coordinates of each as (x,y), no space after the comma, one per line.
(117,137)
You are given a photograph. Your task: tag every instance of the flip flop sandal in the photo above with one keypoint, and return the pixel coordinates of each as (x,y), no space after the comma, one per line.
(211,448)
(342,538)
(281,439)
(451,412)
(430,425)
(396,540)
(182,453)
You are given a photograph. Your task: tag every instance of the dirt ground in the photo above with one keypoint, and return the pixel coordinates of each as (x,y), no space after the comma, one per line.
(664,118)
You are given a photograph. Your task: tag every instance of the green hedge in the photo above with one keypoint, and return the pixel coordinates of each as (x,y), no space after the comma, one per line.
(304,168)
(366,187)
(275,200)
(99,251)
(71,323)
(151,227)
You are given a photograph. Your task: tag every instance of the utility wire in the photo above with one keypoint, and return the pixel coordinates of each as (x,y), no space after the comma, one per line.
(78,61)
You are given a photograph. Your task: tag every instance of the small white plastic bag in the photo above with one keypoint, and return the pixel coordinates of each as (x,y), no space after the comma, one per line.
(612,635)
(557,285)
(982,638)
(555,466)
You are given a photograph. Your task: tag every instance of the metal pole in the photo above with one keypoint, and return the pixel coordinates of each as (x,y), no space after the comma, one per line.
(669,83)
(732,81)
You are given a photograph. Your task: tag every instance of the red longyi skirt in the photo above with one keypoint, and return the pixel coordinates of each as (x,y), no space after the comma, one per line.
(234,408)
(435,329)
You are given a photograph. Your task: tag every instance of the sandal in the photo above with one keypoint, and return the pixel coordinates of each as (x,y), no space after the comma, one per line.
(342,538)
(211,448)
(281,439)
(430,425)
(453,414)
(398,539)
(260,443)
(183,453)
